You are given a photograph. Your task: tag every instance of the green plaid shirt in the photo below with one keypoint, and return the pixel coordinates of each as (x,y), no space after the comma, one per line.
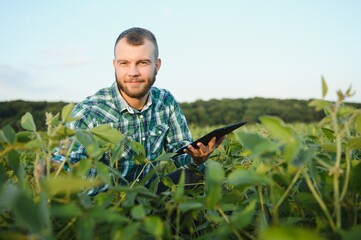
(160,125)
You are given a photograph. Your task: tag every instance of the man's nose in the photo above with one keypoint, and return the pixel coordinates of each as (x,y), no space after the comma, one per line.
(133,70)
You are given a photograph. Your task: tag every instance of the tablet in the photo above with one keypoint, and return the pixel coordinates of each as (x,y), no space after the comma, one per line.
(219,132)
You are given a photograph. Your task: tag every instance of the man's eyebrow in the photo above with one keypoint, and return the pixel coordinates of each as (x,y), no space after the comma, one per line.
(140,60)
(144,60)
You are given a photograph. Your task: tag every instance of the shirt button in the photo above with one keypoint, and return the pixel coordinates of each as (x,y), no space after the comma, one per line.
(143,138)
(160,132)
(141,116)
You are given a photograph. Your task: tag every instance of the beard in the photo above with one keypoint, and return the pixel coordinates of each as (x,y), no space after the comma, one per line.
(140,93)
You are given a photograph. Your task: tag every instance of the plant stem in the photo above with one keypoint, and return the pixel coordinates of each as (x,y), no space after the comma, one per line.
(70,223)
(131,186)
(66,157)
(356,208)
(337,170)
(259,188)
(285,194)
(220,210)
(319,200)
(347,174)
(177,224)
(6,150)
(36,172)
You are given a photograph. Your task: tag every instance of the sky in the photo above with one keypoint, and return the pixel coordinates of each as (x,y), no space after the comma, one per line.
(63,50)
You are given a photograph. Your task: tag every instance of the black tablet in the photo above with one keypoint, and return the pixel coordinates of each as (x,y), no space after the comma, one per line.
(219,132)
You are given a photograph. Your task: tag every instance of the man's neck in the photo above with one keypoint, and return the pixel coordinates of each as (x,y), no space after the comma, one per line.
(136,103)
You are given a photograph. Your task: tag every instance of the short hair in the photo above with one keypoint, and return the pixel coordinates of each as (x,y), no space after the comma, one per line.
(136,35)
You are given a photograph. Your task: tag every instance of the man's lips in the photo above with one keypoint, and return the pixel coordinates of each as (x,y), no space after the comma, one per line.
(134,81)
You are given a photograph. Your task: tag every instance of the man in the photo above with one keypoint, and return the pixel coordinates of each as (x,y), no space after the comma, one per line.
(140,111)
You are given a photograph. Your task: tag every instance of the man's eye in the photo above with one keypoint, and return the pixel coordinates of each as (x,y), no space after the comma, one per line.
(143,63)
(122,63)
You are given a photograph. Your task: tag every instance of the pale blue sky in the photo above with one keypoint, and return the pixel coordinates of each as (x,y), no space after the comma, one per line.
(63,50)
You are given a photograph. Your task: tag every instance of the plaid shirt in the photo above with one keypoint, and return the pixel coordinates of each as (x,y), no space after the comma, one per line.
(160,125)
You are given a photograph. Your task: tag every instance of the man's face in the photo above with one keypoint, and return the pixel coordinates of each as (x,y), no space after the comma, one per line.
(135,68)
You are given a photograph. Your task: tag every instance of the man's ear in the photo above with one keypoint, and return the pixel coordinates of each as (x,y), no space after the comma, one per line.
(158,64)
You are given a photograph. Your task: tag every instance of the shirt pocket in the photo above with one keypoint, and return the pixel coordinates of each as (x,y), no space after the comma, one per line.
(156,138)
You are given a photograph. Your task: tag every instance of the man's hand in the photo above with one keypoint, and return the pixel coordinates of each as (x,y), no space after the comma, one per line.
(201,154)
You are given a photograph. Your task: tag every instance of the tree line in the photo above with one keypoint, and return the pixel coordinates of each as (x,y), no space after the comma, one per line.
(198,113)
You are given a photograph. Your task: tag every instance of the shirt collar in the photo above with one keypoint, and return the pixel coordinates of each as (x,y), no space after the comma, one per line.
(123,105)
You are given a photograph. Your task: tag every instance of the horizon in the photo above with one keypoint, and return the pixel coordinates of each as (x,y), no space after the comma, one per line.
(212,99)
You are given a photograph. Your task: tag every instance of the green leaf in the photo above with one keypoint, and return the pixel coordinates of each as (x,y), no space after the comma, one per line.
(104,199)
(138,212)
(190,205)
(14,160)
(66,111)
(354,143)
(137,148)
(277,128)
(214,179)
(33,217)
(85,228)
(129,232)
(285,233)
(3,175)
(103,172)
(139,153)
(82,167)
(154,225)
(319,104)
(37,143)
(167,181)
(358,124)
(304,155)
(62,132)
(2,137)
(355,178)
(92,147)
(107,215)
(44,213)
(164,157)
(214,172)
(9,134)
(66,210)
(241,219)
(291,150)
(246,177)
(324,88)
(340,96)
(27,122)
(85,200)
(329,133)
(107,133)
(25,136)
(130,199)
(15,164)
(179,190)
(65,184)
(257,144)
(349,92)
(352,234)
(85,138)
(140,159)
(52,120)
(8,195)
(330,147)
(345,111)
